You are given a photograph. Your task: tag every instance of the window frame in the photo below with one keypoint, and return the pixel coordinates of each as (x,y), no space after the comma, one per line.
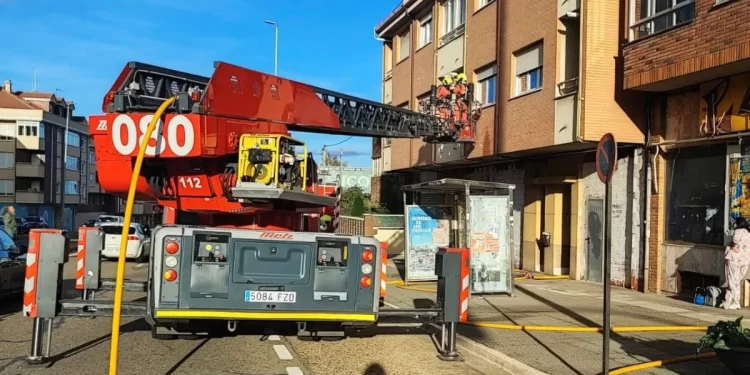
(77,160)
(10,184)
(652,22)
(451,19)
(481,90)
(483,3)
(425,36)
(75,184)
(5,156)
(522,81)
(406,35)
(74,139)
(723,159)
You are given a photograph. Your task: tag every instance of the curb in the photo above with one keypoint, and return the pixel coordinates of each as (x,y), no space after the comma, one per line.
(488,354)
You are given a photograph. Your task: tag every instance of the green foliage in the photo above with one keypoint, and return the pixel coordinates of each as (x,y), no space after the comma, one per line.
(354,202)
(726,334)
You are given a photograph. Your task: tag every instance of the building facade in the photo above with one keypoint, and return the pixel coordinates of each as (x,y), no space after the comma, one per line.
(691,59)
(548,75)
(35,170)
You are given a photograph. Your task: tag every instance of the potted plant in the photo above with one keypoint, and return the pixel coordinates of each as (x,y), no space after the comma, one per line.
(731,342)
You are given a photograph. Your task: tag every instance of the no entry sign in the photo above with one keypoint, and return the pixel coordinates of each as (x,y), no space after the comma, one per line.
(606,157)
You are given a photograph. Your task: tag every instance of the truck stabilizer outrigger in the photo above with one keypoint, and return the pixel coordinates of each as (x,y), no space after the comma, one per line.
(47,255)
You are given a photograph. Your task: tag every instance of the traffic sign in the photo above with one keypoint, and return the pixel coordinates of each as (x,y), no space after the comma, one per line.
(606,157)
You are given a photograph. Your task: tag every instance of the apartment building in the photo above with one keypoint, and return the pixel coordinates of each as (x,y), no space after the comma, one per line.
(35,170)
(691,58)
(548,75)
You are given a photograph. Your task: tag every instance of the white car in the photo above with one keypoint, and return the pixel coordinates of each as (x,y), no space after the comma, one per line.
(108,219)
(138,241)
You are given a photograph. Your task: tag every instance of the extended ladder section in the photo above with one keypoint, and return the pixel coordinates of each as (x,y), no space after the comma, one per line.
(241,93)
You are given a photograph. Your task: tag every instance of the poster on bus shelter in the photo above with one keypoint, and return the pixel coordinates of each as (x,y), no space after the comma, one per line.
(427,229)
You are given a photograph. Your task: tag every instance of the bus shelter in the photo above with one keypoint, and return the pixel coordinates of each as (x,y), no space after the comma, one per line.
(449,212)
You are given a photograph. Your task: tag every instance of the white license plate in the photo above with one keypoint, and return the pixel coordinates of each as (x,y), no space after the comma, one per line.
(275,297)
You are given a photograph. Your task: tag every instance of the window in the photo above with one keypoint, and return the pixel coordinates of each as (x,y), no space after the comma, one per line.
(388,57)
(72,163)
(7,131)
(454,15)
(7,160)
(404,45)
(425,30)
(92,158)
(486,81)
(74,140)
(27,128)
(41,131)
(92,178)
(71,187)
(7,187)
(483,3)
(659,15)
(529,69)
(696,206)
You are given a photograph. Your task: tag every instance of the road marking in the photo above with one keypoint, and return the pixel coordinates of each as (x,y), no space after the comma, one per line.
(274,338)
(294,371)
(282,352)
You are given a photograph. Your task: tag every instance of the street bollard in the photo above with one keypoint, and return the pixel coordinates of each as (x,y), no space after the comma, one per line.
(48,252)
(452,269)
(88,261)
(383,269)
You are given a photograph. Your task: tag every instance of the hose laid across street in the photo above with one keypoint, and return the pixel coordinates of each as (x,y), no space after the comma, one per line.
(659,363)
(529,328)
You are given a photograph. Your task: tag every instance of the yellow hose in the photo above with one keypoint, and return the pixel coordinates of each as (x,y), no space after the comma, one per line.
(514,327)
(115,343)
(659,363)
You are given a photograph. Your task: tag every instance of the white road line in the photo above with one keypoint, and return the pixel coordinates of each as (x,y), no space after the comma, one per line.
(294,371)
(282,352)
(274,338)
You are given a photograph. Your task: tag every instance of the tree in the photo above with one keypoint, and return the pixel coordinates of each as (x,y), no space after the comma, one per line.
(333,161)
(354,202)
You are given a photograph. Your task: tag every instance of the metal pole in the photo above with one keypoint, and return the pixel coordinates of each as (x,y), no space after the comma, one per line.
(48,344)
(275,47)
(276,52)
(36,342)
(65,164)
(607,274)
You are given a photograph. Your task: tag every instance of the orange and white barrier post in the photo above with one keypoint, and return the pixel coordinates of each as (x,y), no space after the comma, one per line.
(81,258)
(465,284)
(383,268)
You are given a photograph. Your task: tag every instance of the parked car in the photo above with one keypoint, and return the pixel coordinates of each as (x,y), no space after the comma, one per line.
(90,223)
(108,219)
(36,222)
(137,245)
(22,226)
(12,266)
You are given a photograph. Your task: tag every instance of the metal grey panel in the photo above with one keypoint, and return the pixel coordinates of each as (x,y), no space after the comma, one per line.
(93,261)
(359,299)
(277,263)
(594,239)
(52,256)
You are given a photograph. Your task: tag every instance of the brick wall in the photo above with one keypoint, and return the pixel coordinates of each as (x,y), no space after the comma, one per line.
(717,36)
(527,122)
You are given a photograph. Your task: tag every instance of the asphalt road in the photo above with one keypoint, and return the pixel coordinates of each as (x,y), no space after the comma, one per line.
(81,346)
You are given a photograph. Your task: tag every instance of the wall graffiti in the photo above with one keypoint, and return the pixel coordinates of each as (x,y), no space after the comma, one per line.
(725,105)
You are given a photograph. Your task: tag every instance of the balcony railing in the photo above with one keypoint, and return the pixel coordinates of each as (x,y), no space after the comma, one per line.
(29,196)
(29,170)
(567,87)
(678,14)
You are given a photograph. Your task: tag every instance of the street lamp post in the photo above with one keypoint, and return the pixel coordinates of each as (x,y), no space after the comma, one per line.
(275,48)
(64,162)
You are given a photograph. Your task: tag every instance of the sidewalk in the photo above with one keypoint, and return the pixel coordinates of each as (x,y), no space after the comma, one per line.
(577,303)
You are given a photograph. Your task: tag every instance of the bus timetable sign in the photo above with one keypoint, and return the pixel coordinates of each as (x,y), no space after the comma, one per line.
(606,157)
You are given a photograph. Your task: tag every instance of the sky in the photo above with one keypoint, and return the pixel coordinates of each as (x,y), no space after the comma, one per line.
(79,47)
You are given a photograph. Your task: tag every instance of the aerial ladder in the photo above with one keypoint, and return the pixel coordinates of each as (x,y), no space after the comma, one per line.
(218,154)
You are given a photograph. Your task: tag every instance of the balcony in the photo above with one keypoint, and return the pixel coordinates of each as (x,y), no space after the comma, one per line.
(566,111)
(681,13)
(566,7)
(29,170)
(684,44)
(30,143)
(29,196)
